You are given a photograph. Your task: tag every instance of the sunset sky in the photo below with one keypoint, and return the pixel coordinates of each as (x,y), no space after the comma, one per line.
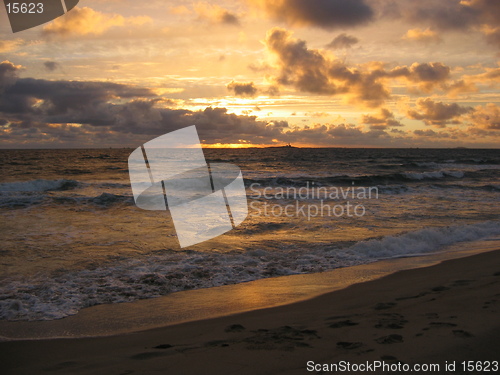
(322,73)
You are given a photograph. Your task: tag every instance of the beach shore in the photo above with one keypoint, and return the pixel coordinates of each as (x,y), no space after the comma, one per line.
(443,314)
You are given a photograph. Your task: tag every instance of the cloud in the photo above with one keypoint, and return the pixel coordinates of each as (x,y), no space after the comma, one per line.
(437,113)
(424,36)
(440,15)
(492,35)
(56,109)
(492,75)
(216,14)
(245,89)
(336,134)
(426,76)
(342,41)
(313,71)
(486,117)
(381,121)
(53,113)
(449,15)
(51,65)
(10,45)
(86,21)
(318,72)
(327,14)
(8,74)
(425,133)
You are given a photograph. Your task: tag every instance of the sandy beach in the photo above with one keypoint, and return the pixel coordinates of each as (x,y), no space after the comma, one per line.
(443,314)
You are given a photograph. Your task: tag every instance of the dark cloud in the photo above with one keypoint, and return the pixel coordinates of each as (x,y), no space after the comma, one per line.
(425,133)
(60,97)
(381,121)
(311,71)
(449,15)
(8,74)
(327,14)
(342,41)
(437,113)
(50,109)
(429,72)
(64,113)
(229,18)
(314,71)
(432,135)
(51,65)
(216,14)
(245,89)
(441,15)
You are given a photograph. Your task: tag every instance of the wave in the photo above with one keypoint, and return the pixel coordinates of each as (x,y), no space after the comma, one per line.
(47,298)
(375,179)
(103,200)
(39,185)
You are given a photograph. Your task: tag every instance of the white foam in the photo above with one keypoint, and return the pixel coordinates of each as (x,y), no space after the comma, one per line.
(46,298)
(432,175)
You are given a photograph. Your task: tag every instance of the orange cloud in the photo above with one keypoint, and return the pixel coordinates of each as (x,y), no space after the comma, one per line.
(86,21)
(216,14)
(381,120)
(438,113)
(10,45)
(423,36)
(487,117)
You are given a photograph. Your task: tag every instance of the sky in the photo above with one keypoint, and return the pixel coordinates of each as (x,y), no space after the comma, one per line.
(254,73)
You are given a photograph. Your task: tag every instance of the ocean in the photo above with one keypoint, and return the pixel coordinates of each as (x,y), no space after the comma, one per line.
(72,237)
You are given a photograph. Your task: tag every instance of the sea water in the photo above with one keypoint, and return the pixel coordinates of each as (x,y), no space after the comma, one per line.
(71,236)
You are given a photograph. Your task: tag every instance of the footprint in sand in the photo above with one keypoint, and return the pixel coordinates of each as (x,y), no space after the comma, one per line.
(412,297)
(391,321)
(439,325)
(163,346)
(432,315)
(349,345)
(343,323)
(215,343)
(384,305)
(440,288)
(282,338)
(60,366)
(341,317)
(462,282)
(147,355)
(390,339)
(490,303)
(235,328)
(461,333)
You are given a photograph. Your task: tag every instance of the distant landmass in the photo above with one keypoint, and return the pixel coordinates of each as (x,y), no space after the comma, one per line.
(286,146)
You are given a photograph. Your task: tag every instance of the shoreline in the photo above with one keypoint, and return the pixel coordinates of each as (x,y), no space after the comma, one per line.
(207,303)
(444,312)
